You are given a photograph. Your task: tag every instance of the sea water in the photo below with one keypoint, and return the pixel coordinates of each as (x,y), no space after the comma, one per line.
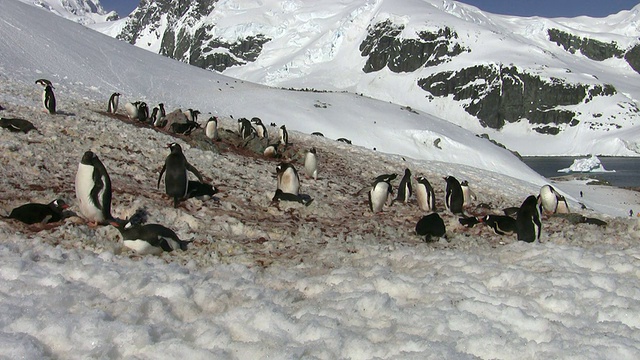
(627,169)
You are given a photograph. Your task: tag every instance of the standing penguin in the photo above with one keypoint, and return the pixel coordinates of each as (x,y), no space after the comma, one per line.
(380,192)
(161,118)
(284,135)
(143,112)
(132,109)
(467,193)
(150,239)
(211,129)
(404,189)
(551,201)
(454,198)
(288,180)
(528,225)
(430,226)
(311,163)
(114,99)
(39,213)
(93,189)
(48,98)
(176,182)
(425,195)
(261,130)
(246,129)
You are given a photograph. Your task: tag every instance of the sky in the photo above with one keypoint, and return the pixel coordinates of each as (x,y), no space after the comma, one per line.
(545,8)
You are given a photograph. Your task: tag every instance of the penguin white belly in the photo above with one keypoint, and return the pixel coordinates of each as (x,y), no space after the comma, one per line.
(211,131)
(311,165)
(422,197)
(548,199)
(378,196)
(142,247)
(132,110)
(84,185)
(289,182)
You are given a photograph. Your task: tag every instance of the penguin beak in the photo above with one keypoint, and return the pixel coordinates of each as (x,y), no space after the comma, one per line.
(65,206)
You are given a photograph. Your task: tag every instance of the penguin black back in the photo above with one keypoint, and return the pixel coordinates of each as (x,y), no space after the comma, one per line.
(176,181)
(454,198)
(404,189)
(430,226)
(17,125)
(93,188)
(39,213)
(528,224)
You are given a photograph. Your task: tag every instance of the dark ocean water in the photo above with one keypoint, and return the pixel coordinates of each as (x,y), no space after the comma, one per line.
(627,168)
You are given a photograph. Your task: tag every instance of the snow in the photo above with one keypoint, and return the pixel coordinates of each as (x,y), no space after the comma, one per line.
(591,164)
(327,281)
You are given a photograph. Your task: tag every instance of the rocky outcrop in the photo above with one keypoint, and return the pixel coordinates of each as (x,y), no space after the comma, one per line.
(496,95)
(384,47)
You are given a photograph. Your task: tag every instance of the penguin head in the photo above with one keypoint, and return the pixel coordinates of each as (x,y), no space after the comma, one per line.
(175,148)
(214,119)
(115,94)
(44,83)
(407,172)
(312,150)
(464,183)
(88,157)
(59,204)
(256,121)
(283,127)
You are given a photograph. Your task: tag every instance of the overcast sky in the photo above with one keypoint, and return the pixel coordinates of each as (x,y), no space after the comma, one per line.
(546,8)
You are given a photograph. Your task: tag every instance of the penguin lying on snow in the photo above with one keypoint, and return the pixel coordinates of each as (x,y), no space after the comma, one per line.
(431,226)
(149,238)
(33,213)
(501,224)
(93,189)
(176,182)
(17,125)
(304,199)
(200,190)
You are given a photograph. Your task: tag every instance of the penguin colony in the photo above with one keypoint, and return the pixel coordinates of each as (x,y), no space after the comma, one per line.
(94,192)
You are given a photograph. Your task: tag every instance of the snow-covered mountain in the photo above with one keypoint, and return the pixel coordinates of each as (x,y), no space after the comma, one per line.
(81,11)
(539,86)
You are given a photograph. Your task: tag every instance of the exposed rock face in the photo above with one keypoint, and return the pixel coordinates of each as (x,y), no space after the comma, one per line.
(186,38)
(385,48)
(506,94)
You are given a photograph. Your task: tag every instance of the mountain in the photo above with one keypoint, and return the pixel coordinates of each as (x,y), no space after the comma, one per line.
(532,84)
(81,11)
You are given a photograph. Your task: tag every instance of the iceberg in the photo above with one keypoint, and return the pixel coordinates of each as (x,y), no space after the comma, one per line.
(591,164)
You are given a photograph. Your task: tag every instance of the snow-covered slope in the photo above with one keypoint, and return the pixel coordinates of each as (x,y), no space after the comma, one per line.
(85,12)
(262,280)
(563,72)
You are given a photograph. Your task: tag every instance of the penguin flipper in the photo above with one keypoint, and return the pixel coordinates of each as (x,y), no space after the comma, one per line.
(164,167)
(195,172)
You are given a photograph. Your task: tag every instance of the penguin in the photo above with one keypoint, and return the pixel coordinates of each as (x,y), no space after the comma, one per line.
(48,97)
(176,182)
(192,115)
(284,135)
(425,195)
(200,190)
(211,129)
(143,112)
(153,118)
(404,189)
(311,164)
(562,207)
(114,99)
(288,180)
(501,224)
(344,140)
(548,199)
(161,118)
(271,151)
(454,197)
(467,193)
(316,133)
(93,189)
(17,125)
(150,239)
(431,226)
(306,200)
(39,213)
(132,109)
(469,222)
(528,225)
(246,129)
(380,192)
(261,130)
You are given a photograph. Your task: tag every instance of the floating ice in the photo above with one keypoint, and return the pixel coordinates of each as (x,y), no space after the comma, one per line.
(591,164)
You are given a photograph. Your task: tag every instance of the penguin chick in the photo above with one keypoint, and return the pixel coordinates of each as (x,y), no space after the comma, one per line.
(33,213)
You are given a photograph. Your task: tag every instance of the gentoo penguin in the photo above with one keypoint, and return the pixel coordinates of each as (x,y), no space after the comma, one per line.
(528,225)
(271,151)
(261,130)
(132,109)
(380,192)
(39,213)
(306,200)
(143,112)
(153,118)
(161,118)
(200,190)
(311,163)
(48,98)
(404,189)
(17,125)
(316,133)
(344,140)
(192,115)
(431,226)
(246,129)
(176,182)
(467,194)
(500,224)
(288,180)
(284,135)
(425,194)
(93,189)
(211,129)
(469,222)
(563,207)
(454,198)
(114,99)
(150,239)
(548,199)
